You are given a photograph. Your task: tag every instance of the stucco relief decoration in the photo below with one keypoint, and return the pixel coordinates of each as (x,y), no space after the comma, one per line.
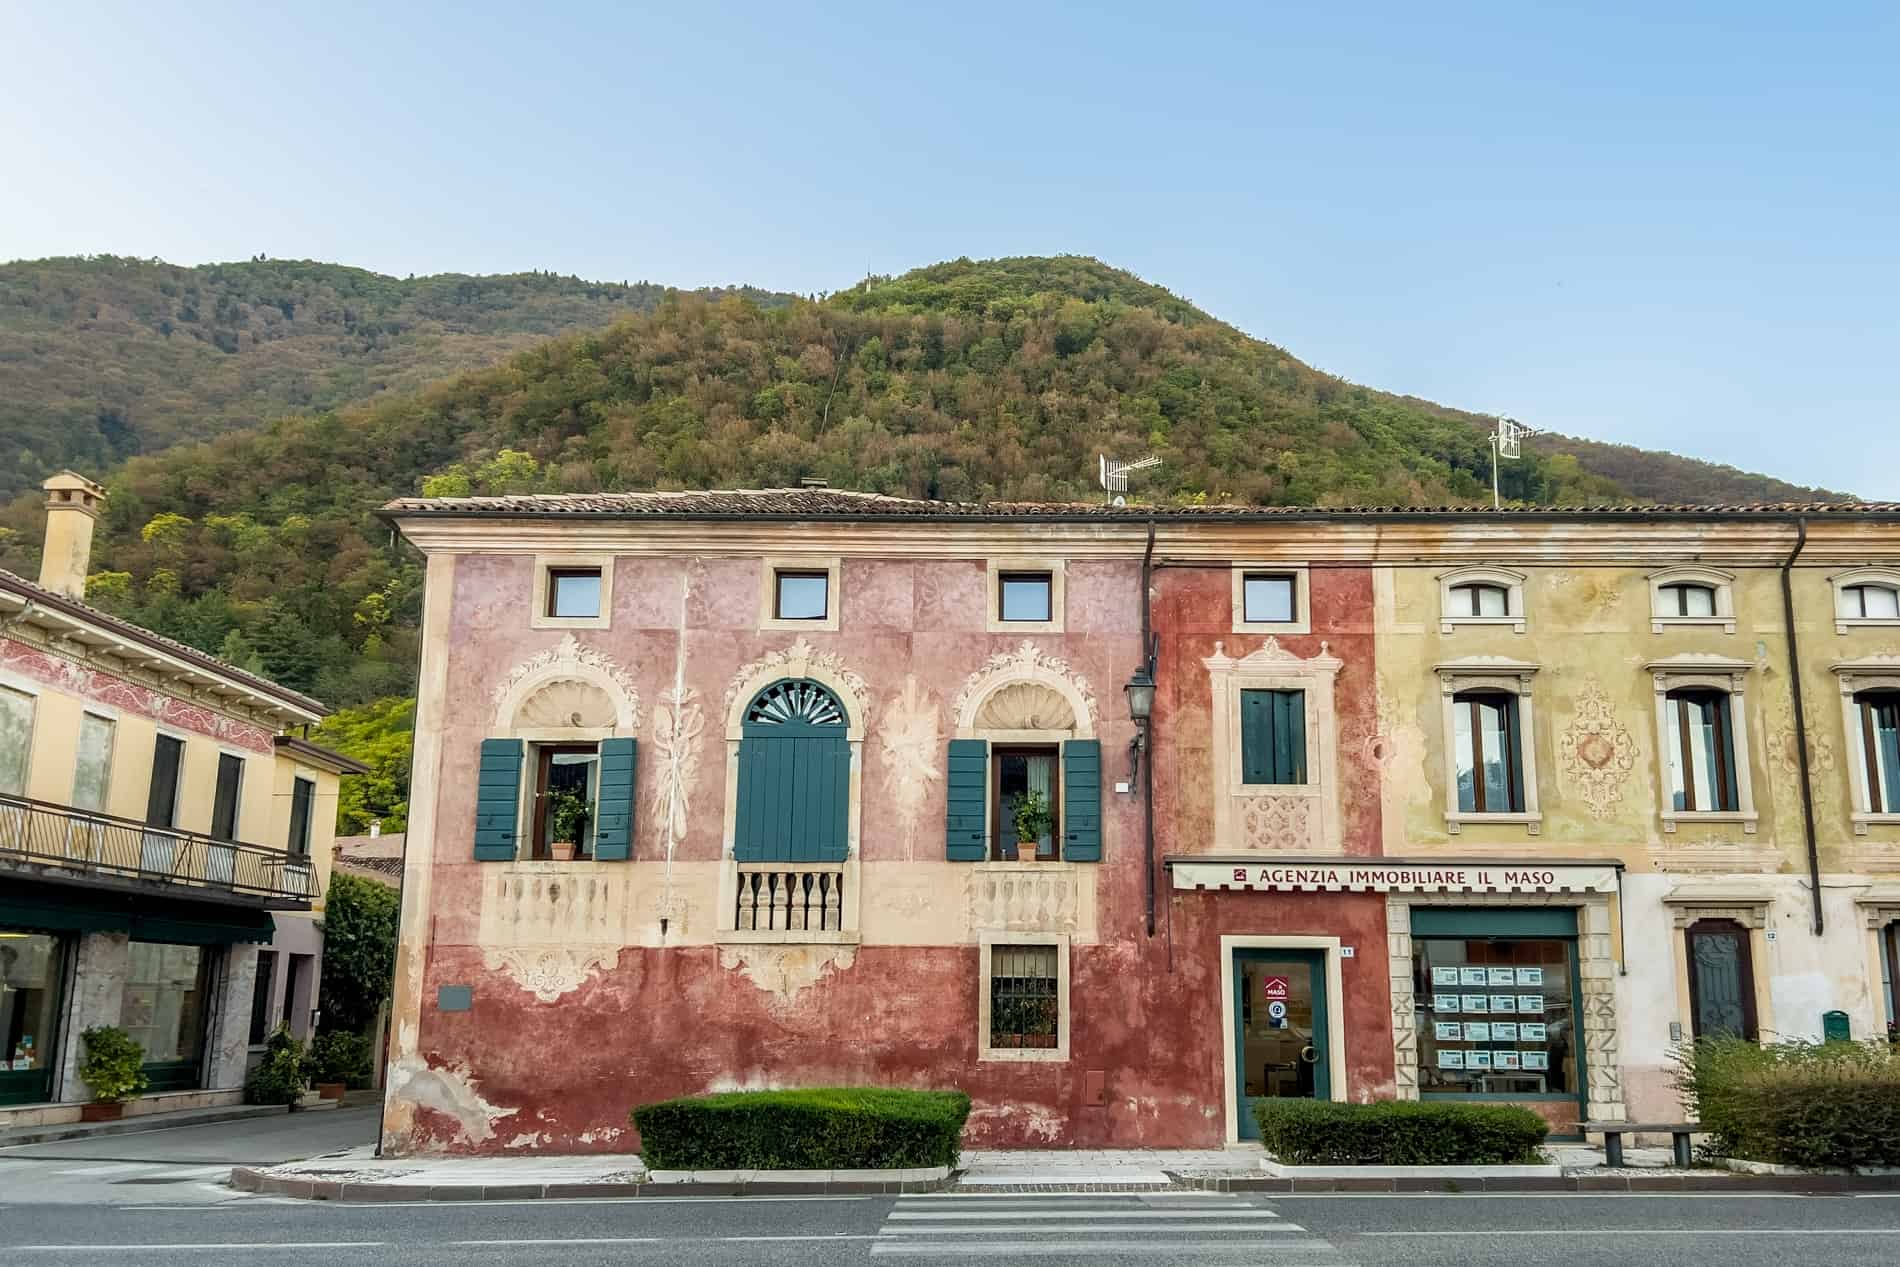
(797,661)
(106,688)
(1784,748)
(567,702)
(571,661)
(1594,596)
(548,972)
(784,972)
(678,722)
(1596,751)
(908,746)
(1278,822)
(1028,665)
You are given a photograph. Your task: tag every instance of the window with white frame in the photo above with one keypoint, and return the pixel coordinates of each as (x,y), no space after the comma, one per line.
(1866,597)
(1271,598)
(1026,595)
(1490,761)
(799,593)
(572,591)
(1691,596)
(1481,596)
(1702,740)
(1023,1003)
(1870,718)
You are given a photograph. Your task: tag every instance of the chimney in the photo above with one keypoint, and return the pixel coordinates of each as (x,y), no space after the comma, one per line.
(72,503)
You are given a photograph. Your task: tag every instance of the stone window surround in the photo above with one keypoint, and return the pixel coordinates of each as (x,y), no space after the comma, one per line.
(1715,673)
(538,617)
(1869,673)
(1723,583)
(772,565)
(1511,677)
(987,942)
(1335,1012)
(1302,621)
(1880,906)
(993,600)
(803,662)
(1596,988)
(1512,583)
(1272,667)
(972,714)
(1688,904)
(1861,576)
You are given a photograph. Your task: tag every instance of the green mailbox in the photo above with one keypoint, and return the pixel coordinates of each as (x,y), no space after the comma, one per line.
(1834,1027)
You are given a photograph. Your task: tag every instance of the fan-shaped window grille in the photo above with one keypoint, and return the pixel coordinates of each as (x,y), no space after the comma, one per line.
(802,703)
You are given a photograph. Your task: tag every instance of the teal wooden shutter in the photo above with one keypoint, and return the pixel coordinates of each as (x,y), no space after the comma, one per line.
(497,800)
(764,769)
(821,798)
(967,789)
(1273,737)
(1082,800)
(613,811)
(1289,736)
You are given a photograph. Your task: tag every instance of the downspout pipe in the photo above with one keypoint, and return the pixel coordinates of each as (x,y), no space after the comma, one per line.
(1801,720)
(1148,766)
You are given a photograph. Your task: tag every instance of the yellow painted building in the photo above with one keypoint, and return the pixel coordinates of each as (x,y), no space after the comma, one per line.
(164,842)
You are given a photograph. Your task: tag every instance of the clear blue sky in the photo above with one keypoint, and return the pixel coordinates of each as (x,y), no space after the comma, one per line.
(1670,224)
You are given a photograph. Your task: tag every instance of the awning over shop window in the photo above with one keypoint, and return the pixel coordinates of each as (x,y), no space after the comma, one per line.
(1494,921)
(50,909)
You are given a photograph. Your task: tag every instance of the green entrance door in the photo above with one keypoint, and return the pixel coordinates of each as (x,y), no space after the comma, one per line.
(1279,1029)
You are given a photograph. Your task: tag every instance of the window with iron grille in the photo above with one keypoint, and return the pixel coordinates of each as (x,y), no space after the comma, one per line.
(1025,1008)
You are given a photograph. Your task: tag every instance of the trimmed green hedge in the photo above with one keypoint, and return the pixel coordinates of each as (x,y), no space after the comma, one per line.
(827,1128)
(1822,1106)
(1399,1133)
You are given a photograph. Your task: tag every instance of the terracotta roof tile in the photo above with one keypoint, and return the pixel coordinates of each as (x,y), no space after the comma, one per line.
(44,597)
(831,503)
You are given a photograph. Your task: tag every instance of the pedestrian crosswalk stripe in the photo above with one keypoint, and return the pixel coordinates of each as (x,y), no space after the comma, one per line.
(1092,1228)
(1071,1248)
(1125,1212)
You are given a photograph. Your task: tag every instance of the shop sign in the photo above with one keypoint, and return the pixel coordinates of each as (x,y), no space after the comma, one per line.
(1395,877)
(1274,988)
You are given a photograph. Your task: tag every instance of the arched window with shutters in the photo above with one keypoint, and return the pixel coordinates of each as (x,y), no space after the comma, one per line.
(794,784)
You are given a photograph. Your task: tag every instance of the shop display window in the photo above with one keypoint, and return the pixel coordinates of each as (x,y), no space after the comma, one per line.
(1495,1016)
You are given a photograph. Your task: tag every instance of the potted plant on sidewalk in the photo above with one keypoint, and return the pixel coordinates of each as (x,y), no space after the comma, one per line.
(1032,819)
(567,817)
(113,1068)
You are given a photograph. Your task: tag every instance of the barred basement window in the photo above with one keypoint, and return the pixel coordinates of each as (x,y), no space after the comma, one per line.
(1025,1010)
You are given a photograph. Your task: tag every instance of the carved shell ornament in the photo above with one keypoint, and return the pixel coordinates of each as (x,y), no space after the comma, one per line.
(566,702)
(1026,706)
(1041,675)
(569,662)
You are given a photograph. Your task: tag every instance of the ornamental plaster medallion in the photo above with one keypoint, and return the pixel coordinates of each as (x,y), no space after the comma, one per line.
(678,722)
(1278,822)
(1784,748)
(1596,751)
(786,971)
(548,972)
(1027,664)
(570,660)
(908,746)
(798,661)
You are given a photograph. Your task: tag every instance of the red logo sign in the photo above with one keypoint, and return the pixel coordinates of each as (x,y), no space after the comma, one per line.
(1274,988)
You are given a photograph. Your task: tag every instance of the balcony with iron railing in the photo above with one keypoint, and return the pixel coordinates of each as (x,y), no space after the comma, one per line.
(59,842)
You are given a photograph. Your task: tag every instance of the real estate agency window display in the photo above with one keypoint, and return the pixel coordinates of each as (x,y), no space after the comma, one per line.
(1496,1003)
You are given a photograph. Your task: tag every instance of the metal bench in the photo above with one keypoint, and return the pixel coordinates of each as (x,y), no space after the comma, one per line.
(1613,1133)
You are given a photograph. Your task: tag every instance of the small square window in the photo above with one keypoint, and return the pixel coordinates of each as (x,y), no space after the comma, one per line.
(802,596)
(1269,599)
(1025,596)
(1025,1003)
(574,593)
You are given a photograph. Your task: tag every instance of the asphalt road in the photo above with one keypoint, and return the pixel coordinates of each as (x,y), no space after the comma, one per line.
(179,1164)
(1193,1230)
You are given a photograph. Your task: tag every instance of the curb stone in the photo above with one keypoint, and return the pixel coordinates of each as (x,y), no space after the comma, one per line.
(251,1179)
(1688,1182)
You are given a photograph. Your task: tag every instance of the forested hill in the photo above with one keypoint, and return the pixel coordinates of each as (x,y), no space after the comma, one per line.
(961,381)
(103,357)
(966,380)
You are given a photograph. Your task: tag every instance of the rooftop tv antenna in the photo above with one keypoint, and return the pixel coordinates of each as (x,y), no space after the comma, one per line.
(1115,476)
(1506,442)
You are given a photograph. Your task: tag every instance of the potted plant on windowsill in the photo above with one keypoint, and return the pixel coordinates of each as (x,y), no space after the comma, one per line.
(1032,819)
(112,1068)
(567,820)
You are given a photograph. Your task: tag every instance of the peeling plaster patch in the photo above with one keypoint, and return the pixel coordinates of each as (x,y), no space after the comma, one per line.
(450,1092)
(601,1135)
(1020,1121)
(531,1140)
(784,971)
